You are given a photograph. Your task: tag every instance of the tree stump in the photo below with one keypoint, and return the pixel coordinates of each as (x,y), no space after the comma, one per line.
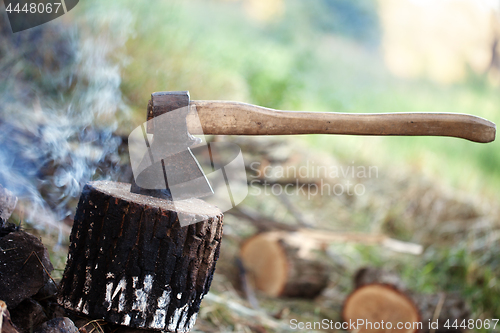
(381,296)
(131,263)
(277,266)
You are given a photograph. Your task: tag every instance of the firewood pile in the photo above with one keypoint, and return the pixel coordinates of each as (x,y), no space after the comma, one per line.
(273,268)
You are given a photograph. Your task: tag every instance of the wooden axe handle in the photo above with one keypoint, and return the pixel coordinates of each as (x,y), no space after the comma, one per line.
(234,118)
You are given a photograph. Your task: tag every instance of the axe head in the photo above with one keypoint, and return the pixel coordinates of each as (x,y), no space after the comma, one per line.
(169,169)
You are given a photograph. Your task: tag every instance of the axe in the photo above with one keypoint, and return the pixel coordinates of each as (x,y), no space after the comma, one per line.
(170,165)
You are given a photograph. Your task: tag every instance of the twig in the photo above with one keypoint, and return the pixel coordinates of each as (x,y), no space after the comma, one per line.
(12,248)
(40,261)
(438,309)
(249,292)
(246,312)
(3,308)
(95,321)
(21,217)
(299,217)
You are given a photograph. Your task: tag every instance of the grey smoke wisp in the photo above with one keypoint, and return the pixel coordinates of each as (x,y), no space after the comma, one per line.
(60,107)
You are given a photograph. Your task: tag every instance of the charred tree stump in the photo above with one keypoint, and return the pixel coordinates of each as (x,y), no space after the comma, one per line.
(131,263)
(381,296)
(277,267)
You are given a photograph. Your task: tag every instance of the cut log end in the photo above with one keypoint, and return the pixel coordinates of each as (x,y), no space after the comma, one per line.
(377,303)
(188,206)
(277,268)
(267,262)
(131,262)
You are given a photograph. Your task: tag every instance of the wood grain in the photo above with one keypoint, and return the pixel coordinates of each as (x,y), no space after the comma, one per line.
(380,295)
(234,118)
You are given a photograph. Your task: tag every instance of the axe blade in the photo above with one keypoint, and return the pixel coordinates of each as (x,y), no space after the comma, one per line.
(176,177)
(169,169)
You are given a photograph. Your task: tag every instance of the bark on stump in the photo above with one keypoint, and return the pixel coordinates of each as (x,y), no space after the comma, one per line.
(381,295)
(131,263)
(277,267)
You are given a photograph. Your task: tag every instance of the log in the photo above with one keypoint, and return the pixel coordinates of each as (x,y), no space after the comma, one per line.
(24,266)
(277,266)
(380,295)
(377,303)
(28,315)
(131,263)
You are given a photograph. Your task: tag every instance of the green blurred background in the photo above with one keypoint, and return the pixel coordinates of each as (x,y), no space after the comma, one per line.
(339,56)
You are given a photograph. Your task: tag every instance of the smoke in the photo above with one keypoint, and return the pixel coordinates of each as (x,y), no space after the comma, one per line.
(60,105)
